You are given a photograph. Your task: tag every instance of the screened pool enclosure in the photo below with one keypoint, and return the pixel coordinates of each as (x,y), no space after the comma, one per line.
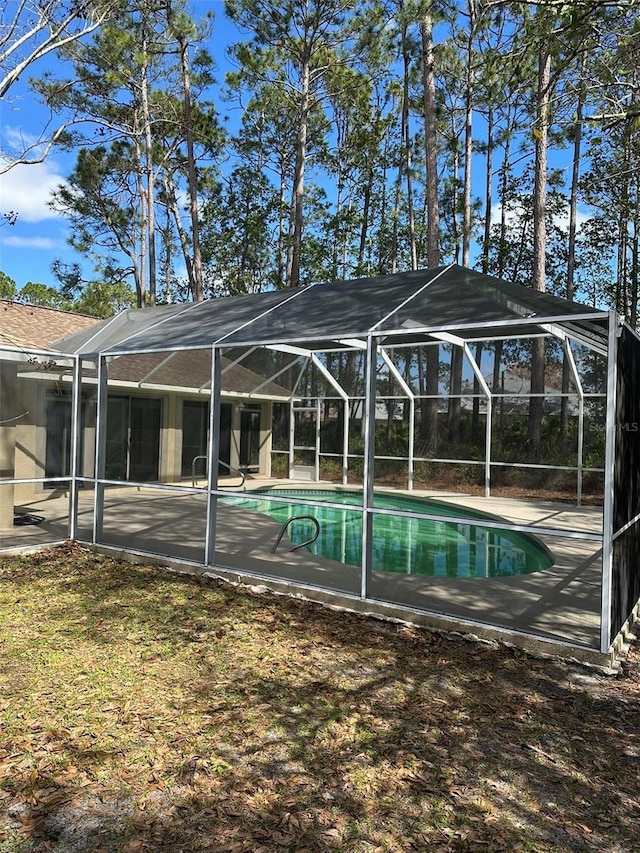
(438,445)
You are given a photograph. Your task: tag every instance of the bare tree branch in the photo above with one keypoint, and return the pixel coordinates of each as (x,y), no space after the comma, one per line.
(37,29)
(615,117)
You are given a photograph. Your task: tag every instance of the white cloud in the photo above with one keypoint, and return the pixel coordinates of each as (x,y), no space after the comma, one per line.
(27,189)
(581,218)
(32,243)
(514,216)
(17,141)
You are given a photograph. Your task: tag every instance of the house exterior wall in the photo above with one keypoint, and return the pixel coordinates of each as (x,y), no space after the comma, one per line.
(8,399)
(170,440)
(24,441)
(30,446)
(235,437)
(266,438)
(87,462)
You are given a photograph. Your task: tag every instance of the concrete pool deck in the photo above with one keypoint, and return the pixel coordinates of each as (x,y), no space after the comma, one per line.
(556,610)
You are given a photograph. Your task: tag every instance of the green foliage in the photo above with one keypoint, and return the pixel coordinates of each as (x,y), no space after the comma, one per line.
(329,101)
(236,243)
(104,299)
(140,127)
(95,298)
(35,293)
(7,287)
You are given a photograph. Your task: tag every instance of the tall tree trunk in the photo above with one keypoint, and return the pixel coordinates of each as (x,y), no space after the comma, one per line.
(192,174)
(366,202)
(166,232)
(536,403)
(364,229)
(406,144)
(337,250)
(149,178)
(410,210)
(383,207)
(282,235)
(429,408)
(430,141)
(293,265)
(484,260)
(499,345)
(468,139)
(454,231)
(395,222)
(172,205)
(455,389)
(573,228)
(621,302)
(635,248)
(140,269)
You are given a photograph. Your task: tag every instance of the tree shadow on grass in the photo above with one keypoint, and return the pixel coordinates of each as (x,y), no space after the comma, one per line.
(335,733)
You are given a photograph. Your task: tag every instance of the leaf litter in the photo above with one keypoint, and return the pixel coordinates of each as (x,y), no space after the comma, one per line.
(142,711)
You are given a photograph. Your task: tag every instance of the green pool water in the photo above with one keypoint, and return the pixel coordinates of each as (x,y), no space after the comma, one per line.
(428,547)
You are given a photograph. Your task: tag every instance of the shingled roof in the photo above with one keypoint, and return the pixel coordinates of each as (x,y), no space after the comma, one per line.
(34,326)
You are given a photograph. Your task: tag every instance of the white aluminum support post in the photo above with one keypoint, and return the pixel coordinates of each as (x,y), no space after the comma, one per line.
(482,382)
(609,466)
(345,426)
(76,443)
(214,455)
(371,370)
(316,467)
(580,450)
(101,449)
(292,435)
(292,420)
(412,412)
(488,433)
(345,442)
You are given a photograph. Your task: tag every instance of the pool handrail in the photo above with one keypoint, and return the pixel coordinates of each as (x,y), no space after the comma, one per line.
(302,544)
(220,462)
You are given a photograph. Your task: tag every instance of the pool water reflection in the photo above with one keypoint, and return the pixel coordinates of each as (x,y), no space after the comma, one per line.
(428,547)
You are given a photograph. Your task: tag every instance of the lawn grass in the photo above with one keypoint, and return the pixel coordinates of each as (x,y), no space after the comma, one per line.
(144,711)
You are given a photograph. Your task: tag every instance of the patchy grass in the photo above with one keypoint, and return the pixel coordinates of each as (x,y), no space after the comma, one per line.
(141,711)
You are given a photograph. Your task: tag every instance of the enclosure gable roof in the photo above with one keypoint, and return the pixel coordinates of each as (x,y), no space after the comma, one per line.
(396,306)
(122,327)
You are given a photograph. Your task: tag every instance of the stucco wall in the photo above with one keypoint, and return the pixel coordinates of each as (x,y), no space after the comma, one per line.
(8,400)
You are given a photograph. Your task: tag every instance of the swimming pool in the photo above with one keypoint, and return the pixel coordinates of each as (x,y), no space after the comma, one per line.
(428,547)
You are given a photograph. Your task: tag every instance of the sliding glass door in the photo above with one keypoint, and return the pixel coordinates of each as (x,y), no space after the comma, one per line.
(195,437)
(133,438)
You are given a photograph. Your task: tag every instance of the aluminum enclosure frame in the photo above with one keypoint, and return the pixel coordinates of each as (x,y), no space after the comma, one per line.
(573,325)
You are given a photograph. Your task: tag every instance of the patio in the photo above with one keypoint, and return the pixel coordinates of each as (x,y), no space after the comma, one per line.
(560,607)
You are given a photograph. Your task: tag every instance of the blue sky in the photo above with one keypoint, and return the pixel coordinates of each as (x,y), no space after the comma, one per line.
(28,248)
